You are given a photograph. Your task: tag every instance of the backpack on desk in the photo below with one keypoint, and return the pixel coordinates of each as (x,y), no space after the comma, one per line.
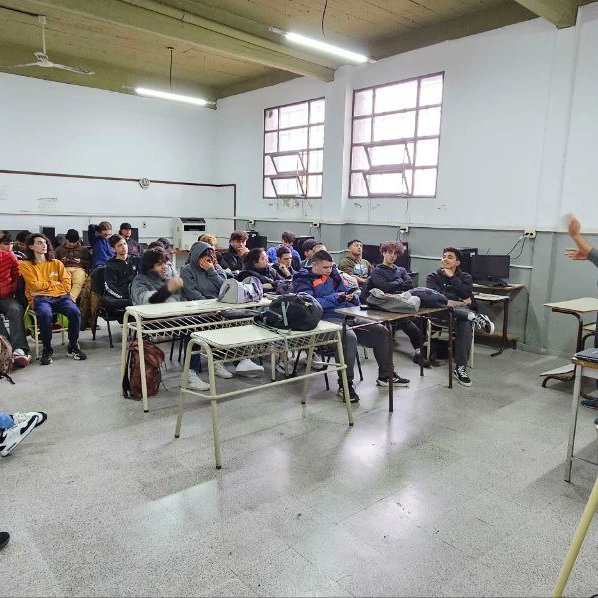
(294,311)
(398,303)
(154,358)
(233,291)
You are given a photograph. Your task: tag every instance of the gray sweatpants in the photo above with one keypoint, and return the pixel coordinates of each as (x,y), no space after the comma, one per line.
(13,311)
(374,336)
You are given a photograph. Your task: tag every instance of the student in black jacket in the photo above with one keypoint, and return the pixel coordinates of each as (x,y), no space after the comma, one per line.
(283,264)
(256,264)
(119,274)
(237,249)
(390,278)
(457,286)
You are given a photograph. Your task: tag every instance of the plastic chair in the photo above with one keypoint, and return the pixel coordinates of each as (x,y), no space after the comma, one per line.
(32,328)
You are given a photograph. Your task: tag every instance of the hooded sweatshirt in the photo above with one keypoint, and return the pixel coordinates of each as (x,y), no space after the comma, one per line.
(360,267)
(454,288)
(198,283)
(9,274)
(325,289)
(150,288)
(69,256)
(101,252)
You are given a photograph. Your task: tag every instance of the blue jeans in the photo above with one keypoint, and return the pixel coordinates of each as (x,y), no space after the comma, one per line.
(6,420)
(46,307)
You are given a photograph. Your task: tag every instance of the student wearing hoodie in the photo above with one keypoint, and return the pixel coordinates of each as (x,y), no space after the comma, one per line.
(287,239)
(256,264)
(457,286)
(154,284)
(101,251)
(324,282)
(390,278)
(237,249)
(76,259)
(201,279)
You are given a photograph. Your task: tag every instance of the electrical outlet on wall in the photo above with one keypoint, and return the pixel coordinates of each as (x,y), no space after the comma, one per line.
(315,225)
(251,223)
(530,233)
(403,228)
(144,224)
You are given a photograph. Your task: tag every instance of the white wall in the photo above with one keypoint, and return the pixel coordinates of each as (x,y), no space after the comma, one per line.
(516,101)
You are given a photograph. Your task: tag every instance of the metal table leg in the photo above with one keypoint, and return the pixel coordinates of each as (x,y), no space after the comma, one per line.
(451,322)
(573,427)
(505,327)
(391,348)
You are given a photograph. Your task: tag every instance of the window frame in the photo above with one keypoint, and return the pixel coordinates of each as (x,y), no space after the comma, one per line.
(394,169)
(302,154)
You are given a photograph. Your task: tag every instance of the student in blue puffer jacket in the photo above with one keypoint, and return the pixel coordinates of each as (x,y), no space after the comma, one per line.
(324,282)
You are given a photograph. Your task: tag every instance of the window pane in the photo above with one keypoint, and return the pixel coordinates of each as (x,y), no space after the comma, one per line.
(314,186)
(287,186)
(362,130)
(293,116)
(392,154)
(390,184)
(269,165)
(363,102)
(428,122)
(430,91)
(396,97)
(316,161)
(317,112)
(294,139)
(290,163)
(316,136)
(359,159)
(270,142)
(425,182)
(271,119)
(394,126)
(358,188)
(268,188)
(427,152)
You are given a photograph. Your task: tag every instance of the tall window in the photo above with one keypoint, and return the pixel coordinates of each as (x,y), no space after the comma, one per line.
(294,149)
(396,133)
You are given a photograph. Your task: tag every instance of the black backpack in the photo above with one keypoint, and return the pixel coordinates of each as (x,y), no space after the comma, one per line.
(294,311)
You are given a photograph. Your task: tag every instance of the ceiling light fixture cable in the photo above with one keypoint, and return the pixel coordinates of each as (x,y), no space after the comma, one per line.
(170,70)
(323,15)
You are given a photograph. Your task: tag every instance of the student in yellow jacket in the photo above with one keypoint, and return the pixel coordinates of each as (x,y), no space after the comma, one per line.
(47,288)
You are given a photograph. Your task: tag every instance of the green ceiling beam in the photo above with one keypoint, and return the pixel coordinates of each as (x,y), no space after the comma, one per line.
(561,13)
(273,78)
(107,76)
(175,24)
(470,24)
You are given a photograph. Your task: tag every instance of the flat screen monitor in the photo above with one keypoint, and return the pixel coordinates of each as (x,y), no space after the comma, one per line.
(490,266)
(466,254)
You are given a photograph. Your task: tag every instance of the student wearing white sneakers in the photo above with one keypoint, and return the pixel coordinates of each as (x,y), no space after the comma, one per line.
(16,427)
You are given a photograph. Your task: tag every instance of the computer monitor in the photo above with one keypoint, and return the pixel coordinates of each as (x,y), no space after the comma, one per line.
(490,267)
(466,254)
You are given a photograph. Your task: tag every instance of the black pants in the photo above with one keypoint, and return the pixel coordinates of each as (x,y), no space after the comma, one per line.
(411,329)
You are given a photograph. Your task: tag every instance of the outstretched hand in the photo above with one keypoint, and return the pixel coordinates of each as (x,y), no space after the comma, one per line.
(576,254)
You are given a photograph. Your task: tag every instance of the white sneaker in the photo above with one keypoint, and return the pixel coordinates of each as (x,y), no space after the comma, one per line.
(194,382)
(24,424)
(246,367)
(221,371)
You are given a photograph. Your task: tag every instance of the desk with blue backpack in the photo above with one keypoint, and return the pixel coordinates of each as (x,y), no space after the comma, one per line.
(387,318)
(175,319)
(251,341)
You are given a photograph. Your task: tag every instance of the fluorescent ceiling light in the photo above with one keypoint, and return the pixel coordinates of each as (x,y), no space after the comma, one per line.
(164,95)
(308,42)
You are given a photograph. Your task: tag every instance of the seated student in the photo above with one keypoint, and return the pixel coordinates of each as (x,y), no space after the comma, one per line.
(355,264)
(15,427)
(237,249)
(307,247)
(457,286)
(256,264)
(76,259)
(160,243)
(119,274)
(209,238)
(47,287)
(20,246)
(201,279)
(390,278)
(9,306)
(287,240)
(125,230)
(283,263)
(324,282)
(101,251)
(154,284)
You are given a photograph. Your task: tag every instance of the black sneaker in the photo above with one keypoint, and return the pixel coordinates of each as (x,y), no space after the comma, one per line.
(417,357)
(461,374)
(592,403)
(76,353)
(396,380)
(484,323)
(46,356)
(353,396)
(4,538)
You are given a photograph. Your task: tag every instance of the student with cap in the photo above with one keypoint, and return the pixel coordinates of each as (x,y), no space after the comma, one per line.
(125,231)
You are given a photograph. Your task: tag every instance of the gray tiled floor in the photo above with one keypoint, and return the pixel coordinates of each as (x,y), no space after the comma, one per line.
(457,493)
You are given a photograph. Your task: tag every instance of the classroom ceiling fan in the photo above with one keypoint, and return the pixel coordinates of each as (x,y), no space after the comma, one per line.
(43,61)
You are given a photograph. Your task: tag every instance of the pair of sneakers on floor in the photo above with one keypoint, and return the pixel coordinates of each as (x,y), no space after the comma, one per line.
(73,351)
(481,322)
(245,367)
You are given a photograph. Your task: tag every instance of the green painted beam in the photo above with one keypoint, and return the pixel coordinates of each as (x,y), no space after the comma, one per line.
(255,83)
(175,24)
(107,76)
(464,26)
(561,13)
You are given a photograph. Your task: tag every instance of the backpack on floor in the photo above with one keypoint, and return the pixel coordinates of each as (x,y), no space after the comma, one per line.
(233,291)
(295,311)
(5,359)
(154,358)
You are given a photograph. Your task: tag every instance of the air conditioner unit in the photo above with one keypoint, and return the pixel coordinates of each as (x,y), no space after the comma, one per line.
(186,231)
